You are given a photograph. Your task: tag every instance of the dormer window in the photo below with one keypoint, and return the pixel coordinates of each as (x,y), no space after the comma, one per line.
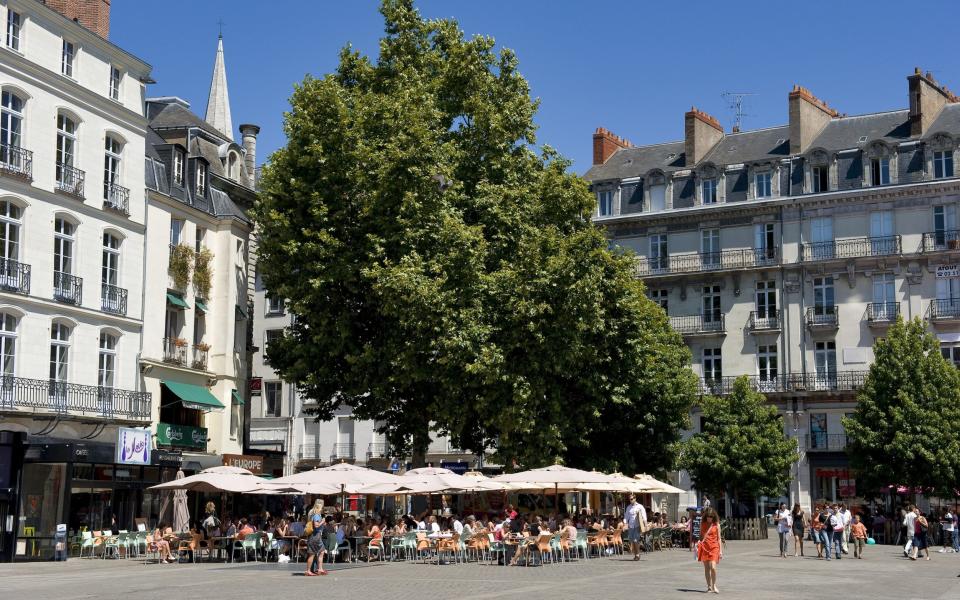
(821,179)
(66,58)
(605,203)
(178,167)
(942,164)
(708,191)
(763,185)
(880,171)
(201,186)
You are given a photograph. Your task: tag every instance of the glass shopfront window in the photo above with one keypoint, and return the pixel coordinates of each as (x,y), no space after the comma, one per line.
(41,508)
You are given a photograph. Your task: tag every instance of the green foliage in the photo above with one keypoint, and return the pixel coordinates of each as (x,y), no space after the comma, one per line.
(742,447)
(203,273)
(446,276)
(181,264)
(906,428)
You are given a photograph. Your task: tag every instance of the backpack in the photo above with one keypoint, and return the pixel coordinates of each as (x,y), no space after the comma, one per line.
(308,530)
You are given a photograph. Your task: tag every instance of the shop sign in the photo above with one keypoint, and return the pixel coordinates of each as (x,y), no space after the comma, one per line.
(167,458)
(948,271)
(184,436)
(256,385)
(133,446)
(254,464)
(459,467)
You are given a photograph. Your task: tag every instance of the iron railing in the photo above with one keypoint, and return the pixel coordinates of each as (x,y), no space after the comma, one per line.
(882,312)
(116,198)
(708,322)
(67,288)
(851,248)
(198,358)
(378,450)
(944,308)
(175,351)
(821,441)
(65,398)
(309,452)
(707,261)
(70,180)
(825,317)
(14,276)
(842,381)
(113,299)
(16,161)
(764,320)
(343,452)
(937,241)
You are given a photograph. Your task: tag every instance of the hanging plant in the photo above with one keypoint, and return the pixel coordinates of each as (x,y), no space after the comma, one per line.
(181,263)
(203,273)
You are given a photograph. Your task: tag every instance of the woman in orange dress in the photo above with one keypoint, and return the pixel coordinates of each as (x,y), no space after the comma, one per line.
(709,551)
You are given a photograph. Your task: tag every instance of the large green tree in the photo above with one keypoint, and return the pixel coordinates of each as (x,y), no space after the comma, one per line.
(741,448)
(906,428)
(445,275)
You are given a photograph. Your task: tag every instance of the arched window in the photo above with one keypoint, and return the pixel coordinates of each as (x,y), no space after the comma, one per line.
(11,132)
(111,171)
(68,178)
(8,346)
(232,166)
(108,359)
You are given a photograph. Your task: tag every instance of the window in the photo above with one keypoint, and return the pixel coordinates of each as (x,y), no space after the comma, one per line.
(711,304)
(658,252)
(658,197)
(764,242)
(710,247)
(11,126)
(884,296)
(821,179)
(766,299)
(605,203)
(199,327)
(708,191)
(171,326)
(200,236)
(949,352)
(825,359)
(660,297)
(762,184)
(178,167)
(818,430)
(272,393)
(176,231)
(881,233)
(108,359)
(232,165)
(943,164)
(114,82)
(8,348)
(63,238)
(275,305)
(110,267)
(823,300)
(944,224)
(13,30)
(59,358)
(66,59)
(66,151)
(767,366)
(201,184)
(880,171)
(712,364)
(9,236)
(821,234)
(111,167)
(270,336)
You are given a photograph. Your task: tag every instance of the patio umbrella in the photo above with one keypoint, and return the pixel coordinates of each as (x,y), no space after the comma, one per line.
(500,485)
(343,478)
(181,514)
(445,480)
(216,479)
(655,486)
(558,477)
(620,483)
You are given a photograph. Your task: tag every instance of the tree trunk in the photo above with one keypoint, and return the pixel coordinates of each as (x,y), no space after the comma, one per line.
(418,458)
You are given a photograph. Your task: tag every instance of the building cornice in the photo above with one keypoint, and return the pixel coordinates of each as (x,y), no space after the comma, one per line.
(84,208)
(62,308)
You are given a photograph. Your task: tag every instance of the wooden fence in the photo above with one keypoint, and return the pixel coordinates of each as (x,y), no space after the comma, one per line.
(745,529)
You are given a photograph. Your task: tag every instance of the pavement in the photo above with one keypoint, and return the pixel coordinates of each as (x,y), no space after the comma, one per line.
(749,570)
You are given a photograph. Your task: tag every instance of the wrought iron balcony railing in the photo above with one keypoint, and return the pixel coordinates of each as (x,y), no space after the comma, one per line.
(851,248)
(65,398)
(938,241)
(822,317)
(707,261)
(882,312)
(309,452)
(113,299)
(70,180)
(821,441)
(198,358)
(343,452)
(14,276)
(67,288)
(378,450)
(116,198)
(175,351)
(16,161)
(842,381)
(708,322)
(764,320)
(943,309)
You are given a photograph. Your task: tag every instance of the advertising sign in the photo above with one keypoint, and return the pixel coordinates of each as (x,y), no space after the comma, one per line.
(256,385)
(133,446)
(183,436)
(948,271)
(254,464)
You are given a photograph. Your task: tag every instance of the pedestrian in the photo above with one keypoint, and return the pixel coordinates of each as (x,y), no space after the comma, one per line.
(710,548)
(909,525)
(316,547)
(946,522)
(635,517)
(826,532)
(816,529)
(847,519)
(799,525)
(859,531)
(784,527)
(920,536)
(836,525)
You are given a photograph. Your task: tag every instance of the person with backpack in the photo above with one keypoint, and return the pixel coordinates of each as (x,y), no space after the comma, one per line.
(920,536)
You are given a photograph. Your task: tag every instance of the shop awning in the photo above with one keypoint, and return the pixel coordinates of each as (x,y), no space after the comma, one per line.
(201,305)
(237,398)
(177,300)
(194,396)
(241,314)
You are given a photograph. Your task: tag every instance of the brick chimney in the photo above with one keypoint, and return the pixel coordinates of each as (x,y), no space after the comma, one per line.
(808,116)
(605,144)
(701,132)
(927,98)
(92,14)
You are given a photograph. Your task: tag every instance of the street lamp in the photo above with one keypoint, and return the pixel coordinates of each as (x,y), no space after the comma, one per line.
(797,415)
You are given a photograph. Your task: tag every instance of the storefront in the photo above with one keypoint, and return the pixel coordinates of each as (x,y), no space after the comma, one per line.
(11,461)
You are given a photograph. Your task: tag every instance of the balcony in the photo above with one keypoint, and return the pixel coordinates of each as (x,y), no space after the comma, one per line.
(113,299)
(378,450)
(67,288)
(198,357)
(175,351)
(944,309)
(709,323)
(940,241)
(309,452)
(16,162)
(707,262)
(882,313)
(843,381)
(342,452)
(763,321)
(71,399)
(851,248)
(14,277)
(826,442)
(70,180)
(116,198)
(822,317)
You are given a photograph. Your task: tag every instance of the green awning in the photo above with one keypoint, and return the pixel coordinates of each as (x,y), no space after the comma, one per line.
(201,305)
(241,314)
(193,396)
(177,300)
(237,398)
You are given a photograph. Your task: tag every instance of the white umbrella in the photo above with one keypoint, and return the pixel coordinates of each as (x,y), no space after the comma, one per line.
(655,486)
(497,485)
(445,480)
(216,479)
(558,477)
(620,483)
(181,514)
(341,478)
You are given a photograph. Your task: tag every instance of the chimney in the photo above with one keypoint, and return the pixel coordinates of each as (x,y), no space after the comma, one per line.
(927,97)
(808,116)
(249,133)
(701,132)
(92,14)
(605,144)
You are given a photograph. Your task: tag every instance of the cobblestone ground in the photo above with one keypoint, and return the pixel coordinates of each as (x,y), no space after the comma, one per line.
(748,570)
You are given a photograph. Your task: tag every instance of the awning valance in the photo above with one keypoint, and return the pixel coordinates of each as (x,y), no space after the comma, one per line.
(194,396)
(177,300)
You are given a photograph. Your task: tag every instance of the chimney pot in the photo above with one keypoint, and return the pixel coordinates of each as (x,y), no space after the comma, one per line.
(808,116)
(605,143)
(701,133)
(249,134)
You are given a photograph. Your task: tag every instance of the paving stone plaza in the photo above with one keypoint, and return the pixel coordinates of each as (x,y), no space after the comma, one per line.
(749,570)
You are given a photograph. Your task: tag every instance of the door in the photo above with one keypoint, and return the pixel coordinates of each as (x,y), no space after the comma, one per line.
(947,303)
(945,226)
(881,233)
(711,304)
(884,297)
(765,247)
(767,368)
(823,297)
(659,259)
(710,248)
(766,300)
(345,447)
(712,365)
(821,236)
(825,358)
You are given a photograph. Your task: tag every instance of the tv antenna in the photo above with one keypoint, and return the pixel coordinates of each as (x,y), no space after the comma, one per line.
(735,103)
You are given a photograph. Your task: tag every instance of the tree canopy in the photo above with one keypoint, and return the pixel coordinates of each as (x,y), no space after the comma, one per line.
(445,274)
(906,428)
(741,447)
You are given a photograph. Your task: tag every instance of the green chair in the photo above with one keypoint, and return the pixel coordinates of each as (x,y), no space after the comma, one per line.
(250,541)
(398,545)
(86,541)
(581,544)
(495,548)
(112,544)
(332,546)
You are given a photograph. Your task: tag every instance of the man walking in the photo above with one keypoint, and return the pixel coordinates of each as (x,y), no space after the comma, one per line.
(910,522)
(636,519)
(836,526)
(847,519)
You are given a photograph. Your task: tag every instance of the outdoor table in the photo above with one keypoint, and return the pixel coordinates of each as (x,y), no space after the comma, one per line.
(227,543)
(358,539)
(292,540)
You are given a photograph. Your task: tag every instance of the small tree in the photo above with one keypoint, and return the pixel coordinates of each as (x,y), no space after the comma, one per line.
(742,447)
(181,265)
(906,428)
(203,273)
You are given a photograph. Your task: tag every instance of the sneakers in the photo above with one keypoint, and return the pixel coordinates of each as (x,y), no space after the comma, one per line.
(942,550)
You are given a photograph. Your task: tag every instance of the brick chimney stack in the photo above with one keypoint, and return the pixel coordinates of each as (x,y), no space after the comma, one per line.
(92,14)
(605,144)
(927,98)
(808,116)
(701,132)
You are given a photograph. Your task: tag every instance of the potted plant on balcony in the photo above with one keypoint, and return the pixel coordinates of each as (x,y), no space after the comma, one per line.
(180,342)
(203,272)
(953,244)
(200,356)
(181,263)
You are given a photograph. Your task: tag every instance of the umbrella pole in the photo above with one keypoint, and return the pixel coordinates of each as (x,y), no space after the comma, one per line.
(556,498)
(343,499)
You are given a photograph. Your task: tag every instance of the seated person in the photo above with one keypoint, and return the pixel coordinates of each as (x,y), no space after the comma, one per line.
(158,543)
(245,528)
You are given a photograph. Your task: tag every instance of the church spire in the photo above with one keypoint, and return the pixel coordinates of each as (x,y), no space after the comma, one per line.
(218,102)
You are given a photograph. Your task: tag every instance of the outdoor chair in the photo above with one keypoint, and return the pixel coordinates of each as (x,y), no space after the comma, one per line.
(333,548)
(544,546)
(582,544)
(562,541)
(86,541)
(398,546)
(250,541)
(494,547)
(474,546)
(111,545)
(449,546)
(187,544)
(423,546)
(298,548)
(375,546)
(616,540)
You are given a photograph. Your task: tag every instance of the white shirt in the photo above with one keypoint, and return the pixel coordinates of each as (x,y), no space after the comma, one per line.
(457,526)
(421,526)
(948,524)
(783,521)
(435,527)
(635,516)
(846,516)
(911,522)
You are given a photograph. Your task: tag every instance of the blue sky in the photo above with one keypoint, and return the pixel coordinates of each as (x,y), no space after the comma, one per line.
(632,67)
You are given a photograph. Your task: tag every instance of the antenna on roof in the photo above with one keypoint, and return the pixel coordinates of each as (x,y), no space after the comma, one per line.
(735,103)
